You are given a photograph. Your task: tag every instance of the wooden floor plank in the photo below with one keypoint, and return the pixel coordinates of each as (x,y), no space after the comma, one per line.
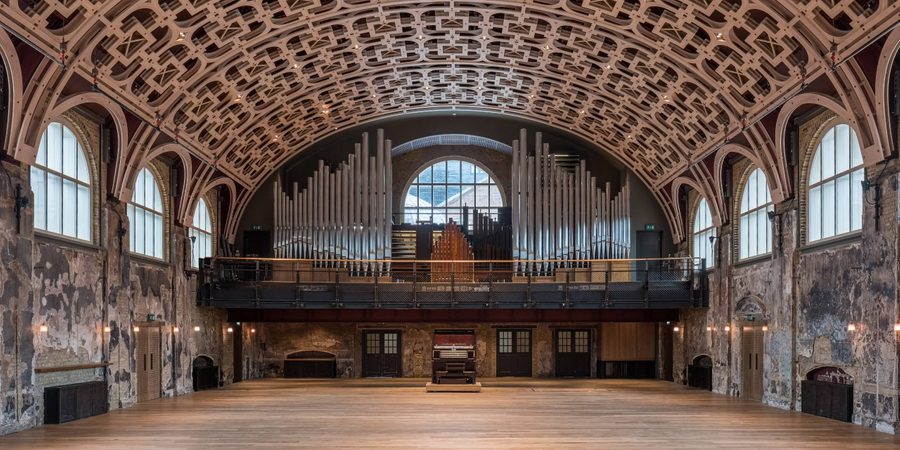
(508,413)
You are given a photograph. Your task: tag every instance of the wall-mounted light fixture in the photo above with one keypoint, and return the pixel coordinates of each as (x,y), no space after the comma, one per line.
(851,327)
(196,328)
(43,328)
(876,200)
(897,327)
(765,328)
(230,330)
(675,329)
(137,329)
(107,329)
(253,330)
(21,203)
(175,330)
(709,328)
(727,328)
(777,224)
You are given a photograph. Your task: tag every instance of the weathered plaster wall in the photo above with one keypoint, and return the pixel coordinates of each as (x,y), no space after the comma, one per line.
(809,295)
(76,289)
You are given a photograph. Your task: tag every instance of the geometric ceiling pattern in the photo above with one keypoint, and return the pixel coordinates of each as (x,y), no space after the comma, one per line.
(249,84)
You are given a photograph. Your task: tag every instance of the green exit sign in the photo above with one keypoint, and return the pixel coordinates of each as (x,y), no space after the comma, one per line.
(649,227)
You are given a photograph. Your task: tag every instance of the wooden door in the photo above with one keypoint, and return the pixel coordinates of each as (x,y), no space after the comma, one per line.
(513,353)
(149,373)
(573,353)
(381,354)
(752,362)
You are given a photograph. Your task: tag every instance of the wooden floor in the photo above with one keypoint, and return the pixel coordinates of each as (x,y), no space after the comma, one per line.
(508,413)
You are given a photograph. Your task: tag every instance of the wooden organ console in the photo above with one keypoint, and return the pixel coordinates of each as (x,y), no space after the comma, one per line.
(558,213)
(453,357)
(453,247)
(341,214)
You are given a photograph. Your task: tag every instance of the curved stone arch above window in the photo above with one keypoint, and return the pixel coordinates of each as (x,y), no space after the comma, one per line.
(451,139)
(887,60)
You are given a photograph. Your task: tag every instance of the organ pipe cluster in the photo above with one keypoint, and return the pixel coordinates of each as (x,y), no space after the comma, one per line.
(561,214)
(341,214)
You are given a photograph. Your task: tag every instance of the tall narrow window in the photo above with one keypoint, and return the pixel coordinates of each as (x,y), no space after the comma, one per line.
(703,230)
(756,202)
(145,213)
(835,199)
(201,234)
(61,182)
(439,192)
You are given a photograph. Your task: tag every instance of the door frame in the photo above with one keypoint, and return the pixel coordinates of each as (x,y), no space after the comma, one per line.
(591,343)
(381,332)
(515,343)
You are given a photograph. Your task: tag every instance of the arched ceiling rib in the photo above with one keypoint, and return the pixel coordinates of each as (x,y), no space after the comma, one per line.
(248,84)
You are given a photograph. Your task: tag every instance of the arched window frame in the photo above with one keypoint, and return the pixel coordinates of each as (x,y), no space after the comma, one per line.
(702,227)
(754,237)
(202,231)
(816,207)
(75,204)
(157,211)
(450,211)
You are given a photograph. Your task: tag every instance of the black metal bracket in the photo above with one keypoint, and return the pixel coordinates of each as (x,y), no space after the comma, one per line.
(121,231)
(20,204)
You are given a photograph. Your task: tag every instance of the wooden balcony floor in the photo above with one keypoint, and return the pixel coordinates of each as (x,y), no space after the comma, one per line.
(508,413)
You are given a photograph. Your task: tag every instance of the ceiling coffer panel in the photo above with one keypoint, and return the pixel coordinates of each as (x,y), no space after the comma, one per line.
(249,84)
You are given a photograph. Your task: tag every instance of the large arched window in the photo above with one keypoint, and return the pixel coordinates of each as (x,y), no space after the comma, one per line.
(145,213)
(201,234)
(439,192)
(61,182)
(756,202)
(835,200)
(703,230)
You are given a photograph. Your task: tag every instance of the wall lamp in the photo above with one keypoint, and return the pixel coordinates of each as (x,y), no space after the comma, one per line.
(851,327)
(675,329)
(196,328)
(43,328)
(876,201)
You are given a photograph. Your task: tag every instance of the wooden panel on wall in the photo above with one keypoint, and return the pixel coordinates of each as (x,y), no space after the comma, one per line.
(628,341)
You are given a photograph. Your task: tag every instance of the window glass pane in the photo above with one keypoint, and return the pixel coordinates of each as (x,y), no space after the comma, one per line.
(149,195)
(70,208)
(84,174)
(752,234)
(70,153)
(814,216)
(762,189)
(828,155)
(84,213)
(54,203)
(815,169)
(762,230)
(138,225)
(467,172)
(745,201)
(138,196)
(855,154)
(842,149)
(842,196)
(42,151)
(158,236)
(54,147)
(157,199)
(442,189)
(828,209)
(744,245)
(131,221)
(39,187)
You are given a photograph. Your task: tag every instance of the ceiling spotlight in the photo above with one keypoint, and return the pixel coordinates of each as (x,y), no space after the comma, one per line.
(180,37)
(608,67)
(296,66)
(356,47)
(546,47)
(719,37)
(581,112)
(237,98)
(421,37)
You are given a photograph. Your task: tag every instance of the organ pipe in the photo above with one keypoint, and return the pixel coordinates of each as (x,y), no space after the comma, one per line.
(561,214)
(342,214)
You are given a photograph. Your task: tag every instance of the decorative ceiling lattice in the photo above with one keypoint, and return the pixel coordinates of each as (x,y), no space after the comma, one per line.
(248,84)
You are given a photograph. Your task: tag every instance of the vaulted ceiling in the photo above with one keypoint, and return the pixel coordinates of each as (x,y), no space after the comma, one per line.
(246,85)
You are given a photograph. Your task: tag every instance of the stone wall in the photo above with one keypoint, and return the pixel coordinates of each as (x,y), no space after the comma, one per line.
(272,342)
(808,295)
(75,290)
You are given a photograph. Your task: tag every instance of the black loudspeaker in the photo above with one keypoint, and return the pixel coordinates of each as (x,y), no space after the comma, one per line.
(257,243)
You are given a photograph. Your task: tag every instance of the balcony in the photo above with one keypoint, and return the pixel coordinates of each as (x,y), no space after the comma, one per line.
(248,283)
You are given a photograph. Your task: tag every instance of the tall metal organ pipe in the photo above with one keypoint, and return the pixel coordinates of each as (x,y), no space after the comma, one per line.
(343,215)
(561,214)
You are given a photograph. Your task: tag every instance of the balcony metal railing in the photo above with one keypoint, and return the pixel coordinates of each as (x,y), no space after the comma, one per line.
(402,284)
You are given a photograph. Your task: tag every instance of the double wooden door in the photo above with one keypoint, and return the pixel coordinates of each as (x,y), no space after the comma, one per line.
(573,353)
(381,354)
(752,350)
(148,344)
(513,353)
